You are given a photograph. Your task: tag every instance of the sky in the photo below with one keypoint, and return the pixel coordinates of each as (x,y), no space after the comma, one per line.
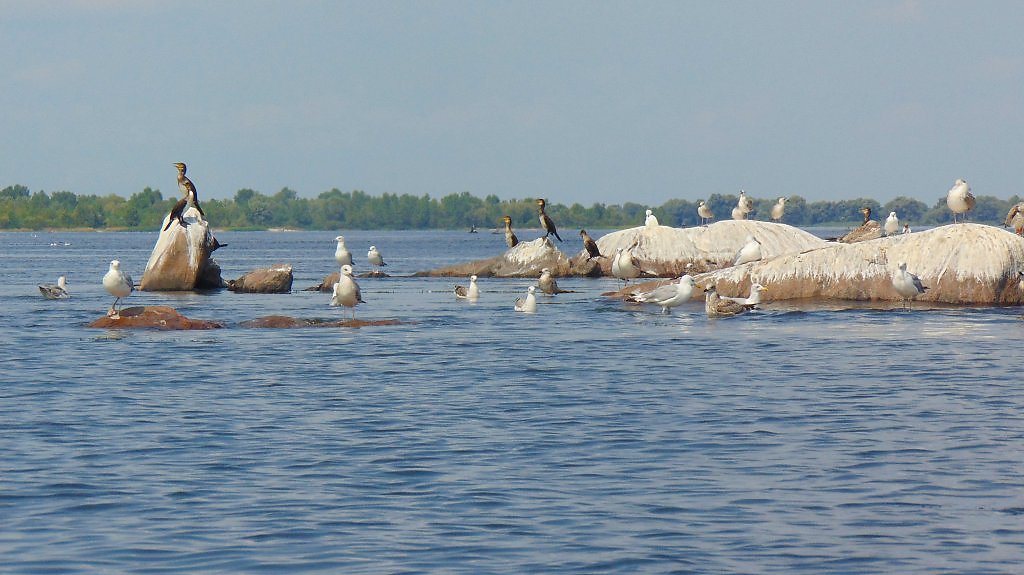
(576,101)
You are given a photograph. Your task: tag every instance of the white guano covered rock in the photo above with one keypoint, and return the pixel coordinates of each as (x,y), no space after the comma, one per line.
(181,261)
(961,264)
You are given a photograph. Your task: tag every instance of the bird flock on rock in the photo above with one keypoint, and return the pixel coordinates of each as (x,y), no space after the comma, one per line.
(625,264)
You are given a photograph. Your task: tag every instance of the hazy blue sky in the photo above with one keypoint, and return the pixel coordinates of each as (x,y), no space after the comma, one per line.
(574,101)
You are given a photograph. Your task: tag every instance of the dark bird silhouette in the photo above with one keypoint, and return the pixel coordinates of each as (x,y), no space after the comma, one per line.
(545,220)
(510,238)
(590,245)
(188,197)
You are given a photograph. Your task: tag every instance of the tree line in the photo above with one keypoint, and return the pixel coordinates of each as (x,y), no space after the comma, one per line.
(22,209)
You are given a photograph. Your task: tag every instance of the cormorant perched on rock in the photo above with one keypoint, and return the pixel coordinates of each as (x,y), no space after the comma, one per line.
(590,245)
(510,238)
(869,230)
(188,197)
(545,220)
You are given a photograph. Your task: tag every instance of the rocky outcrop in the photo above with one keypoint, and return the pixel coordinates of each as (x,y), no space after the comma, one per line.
(181,260)
(287,322)
(152,317)
(960,263)
(524,260)
(664,251)
(275,279)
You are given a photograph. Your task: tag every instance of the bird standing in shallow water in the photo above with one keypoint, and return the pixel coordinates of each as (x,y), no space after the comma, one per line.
(346,292)
(908,285)
(545,221)
(960,199)
(188,198)
(669,295)
(118,284)
(56,291)
(590,245)
(510,237)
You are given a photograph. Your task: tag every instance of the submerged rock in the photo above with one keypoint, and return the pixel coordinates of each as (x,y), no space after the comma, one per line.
(276,279)
(526,259)
(287,322)
(152,317)
(960,264)
(181,260)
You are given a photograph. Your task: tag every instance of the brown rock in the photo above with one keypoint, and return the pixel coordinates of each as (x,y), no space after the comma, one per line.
(153,317)
(277,279)
(524,260)
(181,261)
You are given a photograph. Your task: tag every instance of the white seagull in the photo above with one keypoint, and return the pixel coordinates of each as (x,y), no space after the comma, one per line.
(623,264)
(892,224)
(753,299)
(778,210)
(341,253)
(750,252)
(56,291)
(374,258)
(908,285)
(704,212)
(346,291)
(669,295)
(651,220)
(118,284)
(529,305)
(745,203)
(472,292)
(960,199)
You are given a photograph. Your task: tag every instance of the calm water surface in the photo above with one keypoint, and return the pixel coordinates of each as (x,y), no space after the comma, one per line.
(591,437)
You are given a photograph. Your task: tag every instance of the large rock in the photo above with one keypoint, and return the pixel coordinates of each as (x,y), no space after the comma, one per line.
(275,279)
(664,251)
(524,260)
(181,260)
(152,317)
(961,264)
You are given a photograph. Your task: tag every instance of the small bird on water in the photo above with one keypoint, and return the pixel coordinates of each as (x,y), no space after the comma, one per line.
(56,291)
(528,305)
(472,292)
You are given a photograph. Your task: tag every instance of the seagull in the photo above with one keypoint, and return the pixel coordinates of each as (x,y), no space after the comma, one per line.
(753,299)
(651,219)
(472,292)
(705,213)
(1015,219)
(346,291)
(590,245)
(745,203)
(778,209)
(510,238)
(715,306)
(545,221)
(960,199)
(548,284)
(892,224)
(624,265)
(750,252)
(738,213)
(341,253)
(908,285)
(669,295)
(375,259)
(906,228)
(58,291)
(529,305)
(118,284)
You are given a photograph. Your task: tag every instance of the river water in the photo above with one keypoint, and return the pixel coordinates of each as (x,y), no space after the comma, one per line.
(591,437)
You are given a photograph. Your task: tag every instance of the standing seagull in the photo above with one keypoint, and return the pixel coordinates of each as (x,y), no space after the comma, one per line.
(375,259)
(778,210)
(545,220)
(651,220)
(472,292)
(669,295)
(346,291)
(188,198)
(960,199)
(341,253)
(624,265)
(118,284)
(745,204)
(750,252)
(704,212)
(892,224)
(590,245)
(1015,219)
(58,291)
(908,285)
(715,306)
(510,238)
(529,305)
